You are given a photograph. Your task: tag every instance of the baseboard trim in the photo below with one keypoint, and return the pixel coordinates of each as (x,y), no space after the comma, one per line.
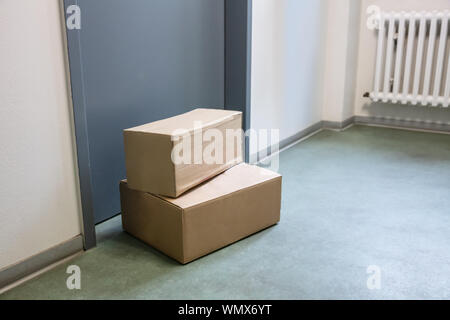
(399,123)
(256,157)
(301,134)
(39,261)
(338,125)
(358,120)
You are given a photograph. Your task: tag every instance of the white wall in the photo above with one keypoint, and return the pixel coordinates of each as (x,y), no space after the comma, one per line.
(366,66)
(287,62)
(39,202)
(347,65)
(343,19)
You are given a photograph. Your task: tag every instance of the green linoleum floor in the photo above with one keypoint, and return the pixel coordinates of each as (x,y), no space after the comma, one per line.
(364,196)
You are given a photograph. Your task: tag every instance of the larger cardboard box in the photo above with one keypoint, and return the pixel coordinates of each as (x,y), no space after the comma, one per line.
(239,202)
(148,150)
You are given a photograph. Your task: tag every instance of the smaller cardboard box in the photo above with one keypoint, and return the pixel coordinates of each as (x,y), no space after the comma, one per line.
(206,142)
(237,203)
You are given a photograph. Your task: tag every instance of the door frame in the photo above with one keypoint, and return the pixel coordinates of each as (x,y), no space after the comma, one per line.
(77,86)
(238,57)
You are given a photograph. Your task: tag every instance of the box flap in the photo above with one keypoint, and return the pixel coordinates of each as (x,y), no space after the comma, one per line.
(239,177)
(208,117)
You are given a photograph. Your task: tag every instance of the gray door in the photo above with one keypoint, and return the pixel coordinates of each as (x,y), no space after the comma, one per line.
(133,62)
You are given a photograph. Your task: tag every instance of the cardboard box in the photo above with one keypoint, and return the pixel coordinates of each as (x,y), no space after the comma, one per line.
(148,151)
(237,203)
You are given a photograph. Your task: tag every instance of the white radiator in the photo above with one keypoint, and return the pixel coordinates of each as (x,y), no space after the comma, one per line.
(412,59)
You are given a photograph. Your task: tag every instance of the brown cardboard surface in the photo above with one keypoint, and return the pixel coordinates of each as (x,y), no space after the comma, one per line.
(153,221)
(243,200)
(148,151)
(237,178)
